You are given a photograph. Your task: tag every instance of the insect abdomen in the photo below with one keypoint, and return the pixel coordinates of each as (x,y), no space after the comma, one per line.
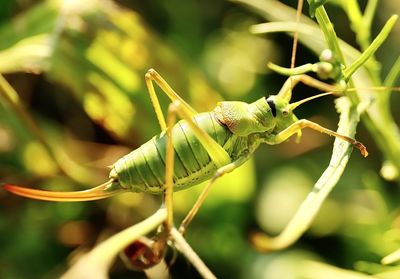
(143,170)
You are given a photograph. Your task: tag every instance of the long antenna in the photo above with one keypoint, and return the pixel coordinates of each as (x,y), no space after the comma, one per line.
(296,104)
(353,89)
(376,88)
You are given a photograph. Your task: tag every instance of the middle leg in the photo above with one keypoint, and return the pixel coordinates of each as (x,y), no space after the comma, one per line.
(204,193)
(292,81)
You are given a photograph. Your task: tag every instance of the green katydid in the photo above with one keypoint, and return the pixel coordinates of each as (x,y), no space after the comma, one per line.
(206,145)
(202,146)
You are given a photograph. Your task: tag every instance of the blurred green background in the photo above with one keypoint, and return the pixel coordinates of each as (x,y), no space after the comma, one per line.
(78,68)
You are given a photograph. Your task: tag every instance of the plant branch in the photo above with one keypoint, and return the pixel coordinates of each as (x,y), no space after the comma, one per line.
(372,48)
(97,262)
(309,208)
(386,136)
(190,254)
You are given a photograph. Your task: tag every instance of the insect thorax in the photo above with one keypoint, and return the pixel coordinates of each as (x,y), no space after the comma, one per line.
(243,119)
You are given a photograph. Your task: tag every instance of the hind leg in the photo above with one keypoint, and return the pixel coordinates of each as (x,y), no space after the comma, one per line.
(219,156)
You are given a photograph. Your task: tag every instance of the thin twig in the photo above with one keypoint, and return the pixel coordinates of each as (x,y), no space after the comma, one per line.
(296,34)
(190,254)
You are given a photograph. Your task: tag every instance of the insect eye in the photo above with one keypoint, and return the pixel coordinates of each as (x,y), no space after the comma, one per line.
(285,112)
(271,104)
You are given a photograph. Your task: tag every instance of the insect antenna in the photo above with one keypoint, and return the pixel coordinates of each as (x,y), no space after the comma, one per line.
(374,88)
(99,192)
(298,103)
(338,93)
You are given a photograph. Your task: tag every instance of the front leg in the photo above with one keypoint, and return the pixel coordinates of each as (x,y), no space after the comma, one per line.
(219,173)
(304,123)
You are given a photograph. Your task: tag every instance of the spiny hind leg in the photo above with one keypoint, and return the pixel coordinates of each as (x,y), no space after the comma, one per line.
(216,152)
(151,76)
(219,173)
(169,169)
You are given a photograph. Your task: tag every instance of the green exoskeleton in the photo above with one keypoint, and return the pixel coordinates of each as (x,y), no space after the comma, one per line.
(201,146)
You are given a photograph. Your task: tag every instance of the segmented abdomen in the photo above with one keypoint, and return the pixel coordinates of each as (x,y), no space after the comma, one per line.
(143,170)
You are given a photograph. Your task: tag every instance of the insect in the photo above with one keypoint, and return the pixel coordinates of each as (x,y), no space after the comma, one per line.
(201,146)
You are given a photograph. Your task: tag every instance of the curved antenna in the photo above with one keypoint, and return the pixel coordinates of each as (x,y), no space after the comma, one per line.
(99,192)
(373,88)
(296,104)
(377,88)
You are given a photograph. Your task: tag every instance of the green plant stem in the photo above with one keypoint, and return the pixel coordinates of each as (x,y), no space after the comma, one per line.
(357,23)
(371,49)
(391,78)
(349,117)
(369,14)
(97,262)
(347,125)
(329,33)
(301,221)
(386,136)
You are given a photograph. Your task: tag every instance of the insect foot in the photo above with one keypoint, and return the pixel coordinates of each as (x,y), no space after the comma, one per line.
(361,147)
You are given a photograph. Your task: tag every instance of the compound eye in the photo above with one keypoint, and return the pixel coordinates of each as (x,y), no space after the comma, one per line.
(271,104)
(285,112)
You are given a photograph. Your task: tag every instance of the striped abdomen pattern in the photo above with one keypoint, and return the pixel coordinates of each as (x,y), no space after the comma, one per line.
(143,170)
